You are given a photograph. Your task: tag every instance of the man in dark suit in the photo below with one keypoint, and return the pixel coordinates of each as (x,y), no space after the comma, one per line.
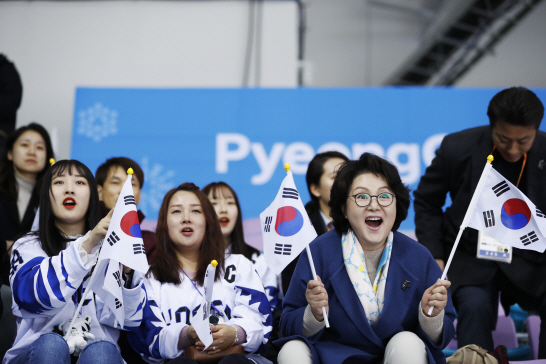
(519,149)
(319,177)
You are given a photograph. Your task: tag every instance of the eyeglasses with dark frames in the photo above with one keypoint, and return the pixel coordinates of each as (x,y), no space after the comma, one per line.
(384,199)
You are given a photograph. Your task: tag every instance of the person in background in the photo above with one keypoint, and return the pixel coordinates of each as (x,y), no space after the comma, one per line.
(23,164)
(227,206)
(320,177)
(189,237)
(11,94)
(110,177)
(376,284)
(51,269)
(519,151)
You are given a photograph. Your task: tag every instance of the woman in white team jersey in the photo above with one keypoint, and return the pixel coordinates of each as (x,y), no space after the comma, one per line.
(50,270)
(188,239)
(227,206)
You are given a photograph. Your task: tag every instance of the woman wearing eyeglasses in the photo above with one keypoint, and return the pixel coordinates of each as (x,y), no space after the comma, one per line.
(376,284)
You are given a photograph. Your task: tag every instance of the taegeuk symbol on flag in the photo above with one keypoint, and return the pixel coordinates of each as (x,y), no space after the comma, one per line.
(286,228)
(503,212)
(123,245)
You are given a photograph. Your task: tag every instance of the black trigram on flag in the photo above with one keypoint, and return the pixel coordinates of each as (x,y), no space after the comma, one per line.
(540,214)
(283,249)
(267,227)
(138,249)
(118,304)
(113,238)
(129,200)
(501,188)
(489,218)
(290,193)
(118,278)
(529,238)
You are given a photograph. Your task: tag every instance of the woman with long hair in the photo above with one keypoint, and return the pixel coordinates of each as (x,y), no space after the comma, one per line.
(227,206)
(189,237)
(50,270)
(23,164)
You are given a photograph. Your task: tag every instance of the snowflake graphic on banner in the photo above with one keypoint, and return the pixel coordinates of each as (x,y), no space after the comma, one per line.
(97,122)
(158,183)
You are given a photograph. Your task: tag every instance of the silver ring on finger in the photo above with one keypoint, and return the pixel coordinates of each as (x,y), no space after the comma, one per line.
(214,348)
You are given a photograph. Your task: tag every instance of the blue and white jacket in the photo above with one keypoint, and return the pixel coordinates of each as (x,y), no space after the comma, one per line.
(270,280)
(47,291)
(239,296)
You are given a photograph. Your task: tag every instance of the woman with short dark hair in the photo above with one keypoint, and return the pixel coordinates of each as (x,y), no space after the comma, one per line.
(377,284)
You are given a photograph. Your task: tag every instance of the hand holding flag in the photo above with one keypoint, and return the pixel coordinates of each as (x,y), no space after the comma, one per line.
(122,245)
(502,211)
(287,230)
(201,321)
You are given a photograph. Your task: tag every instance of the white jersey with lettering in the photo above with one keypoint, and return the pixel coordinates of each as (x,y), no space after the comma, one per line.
(269,279)
(47,290)
(239,296)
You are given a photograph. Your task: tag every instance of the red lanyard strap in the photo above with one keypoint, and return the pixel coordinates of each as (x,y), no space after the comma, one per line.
(522,166)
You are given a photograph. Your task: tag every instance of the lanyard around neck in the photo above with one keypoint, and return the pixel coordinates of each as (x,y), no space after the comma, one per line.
(522,166)
(198,291)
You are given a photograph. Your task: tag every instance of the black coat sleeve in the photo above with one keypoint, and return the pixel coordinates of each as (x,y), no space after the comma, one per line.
(430,198)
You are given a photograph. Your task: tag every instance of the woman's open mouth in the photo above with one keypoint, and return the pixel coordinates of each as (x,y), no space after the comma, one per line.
(69,203)
(187,231)
(374,222)
(224,221)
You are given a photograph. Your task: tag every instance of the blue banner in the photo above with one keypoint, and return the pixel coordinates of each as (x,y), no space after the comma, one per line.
(244,136)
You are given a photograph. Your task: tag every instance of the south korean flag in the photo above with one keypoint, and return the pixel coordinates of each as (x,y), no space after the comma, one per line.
(286,228)
(503,212)
(122,246)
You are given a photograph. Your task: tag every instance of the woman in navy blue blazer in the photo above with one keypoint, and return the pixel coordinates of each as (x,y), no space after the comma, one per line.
(377,284)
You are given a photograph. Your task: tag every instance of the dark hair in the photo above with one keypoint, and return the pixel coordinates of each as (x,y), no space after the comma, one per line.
(52,239)
(124,163)
(165,267)
(516,106)
(367,163)
(238,245)
(315,170)
(8,184)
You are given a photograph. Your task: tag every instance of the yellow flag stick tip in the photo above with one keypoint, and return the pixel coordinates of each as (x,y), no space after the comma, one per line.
(52,161)
(490,158)
(287,167)
(214,263)
(130,171)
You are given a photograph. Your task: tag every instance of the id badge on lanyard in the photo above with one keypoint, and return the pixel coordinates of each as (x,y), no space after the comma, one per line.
(492,249)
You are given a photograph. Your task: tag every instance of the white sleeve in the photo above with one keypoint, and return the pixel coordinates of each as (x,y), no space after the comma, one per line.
(252,311)
(269,279)
(154,339)
(41,284)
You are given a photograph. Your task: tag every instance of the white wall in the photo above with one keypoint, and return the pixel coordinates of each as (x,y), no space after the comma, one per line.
(517,60)
(355,43)
(58,46)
